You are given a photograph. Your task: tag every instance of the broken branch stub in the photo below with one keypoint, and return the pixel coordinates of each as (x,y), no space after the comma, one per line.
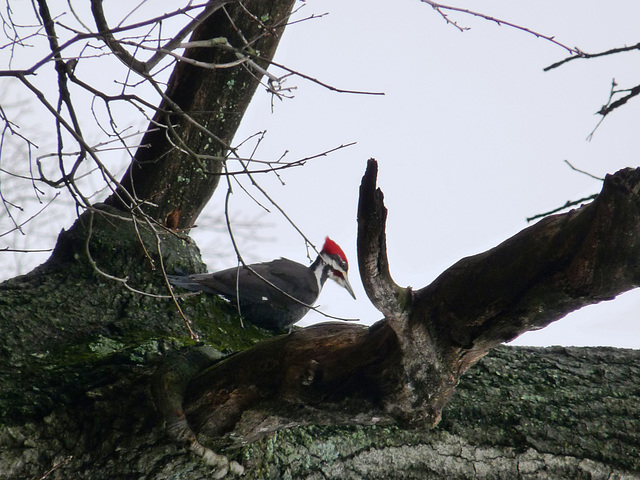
(389,298)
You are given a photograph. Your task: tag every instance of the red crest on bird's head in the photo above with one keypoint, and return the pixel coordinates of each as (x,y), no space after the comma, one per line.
(332,248)
(335,264)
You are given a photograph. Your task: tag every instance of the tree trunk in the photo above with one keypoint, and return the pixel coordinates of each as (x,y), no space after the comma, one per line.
(178,167)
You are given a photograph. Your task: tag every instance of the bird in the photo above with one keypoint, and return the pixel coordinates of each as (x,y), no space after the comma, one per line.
(277,294)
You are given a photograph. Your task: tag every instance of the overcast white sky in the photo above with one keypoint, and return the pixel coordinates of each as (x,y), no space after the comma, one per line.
(470,137)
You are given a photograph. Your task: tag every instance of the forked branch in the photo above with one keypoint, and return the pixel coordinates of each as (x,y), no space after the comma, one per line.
(404,368)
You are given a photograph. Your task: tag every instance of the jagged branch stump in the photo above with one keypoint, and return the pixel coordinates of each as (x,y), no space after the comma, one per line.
(404,368)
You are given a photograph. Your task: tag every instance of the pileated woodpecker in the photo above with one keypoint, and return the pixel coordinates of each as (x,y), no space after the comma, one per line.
(275,294)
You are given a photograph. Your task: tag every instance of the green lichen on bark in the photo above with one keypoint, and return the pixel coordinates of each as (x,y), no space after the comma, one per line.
(571,401)
(64,319)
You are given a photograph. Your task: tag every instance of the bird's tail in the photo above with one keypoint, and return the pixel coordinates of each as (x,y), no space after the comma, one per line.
(184,281)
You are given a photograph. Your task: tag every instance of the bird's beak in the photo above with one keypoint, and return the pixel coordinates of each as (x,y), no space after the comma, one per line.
(345,283)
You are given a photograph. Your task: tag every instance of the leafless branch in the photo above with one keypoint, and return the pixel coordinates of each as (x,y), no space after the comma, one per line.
(569,204)
(23,223)
(319,82)
(58,465)
(585,55)
(144,68)
(583,172)
(438,7)
(612,105)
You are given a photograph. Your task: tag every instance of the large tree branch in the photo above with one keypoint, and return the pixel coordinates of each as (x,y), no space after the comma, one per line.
(405,368)
(548,270)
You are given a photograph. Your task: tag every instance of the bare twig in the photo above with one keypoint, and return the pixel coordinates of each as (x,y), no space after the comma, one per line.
(438,7)
(58,465)
(570,203)
(319,82)
(19,226)
(593,55)
(612,105)
(24,250)
(583,172)
(143,68)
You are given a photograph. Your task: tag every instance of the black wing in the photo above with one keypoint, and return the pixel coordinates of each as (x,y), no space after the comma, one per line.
(292,277)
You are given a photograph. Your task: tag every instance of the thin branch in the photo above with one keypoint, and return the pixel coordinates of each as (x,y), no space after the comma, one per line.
(570,203)
(273,166)
(174,42)
(63,99)
(119,51)
(58,465)
(19,226)
(583,172)
(186,321)
(438,7)
(227,218)
(112,181)
(21,250)
(143,68)
(593,55)
(611,105)
(315,80)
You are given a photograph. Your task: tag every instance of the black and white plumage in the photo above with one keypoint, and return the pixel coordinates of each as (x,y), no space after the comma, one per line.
(275,294)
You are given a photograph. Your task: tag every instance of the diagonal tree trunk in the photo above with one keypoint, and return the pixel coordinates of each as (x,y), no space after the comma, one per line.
(178,166)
